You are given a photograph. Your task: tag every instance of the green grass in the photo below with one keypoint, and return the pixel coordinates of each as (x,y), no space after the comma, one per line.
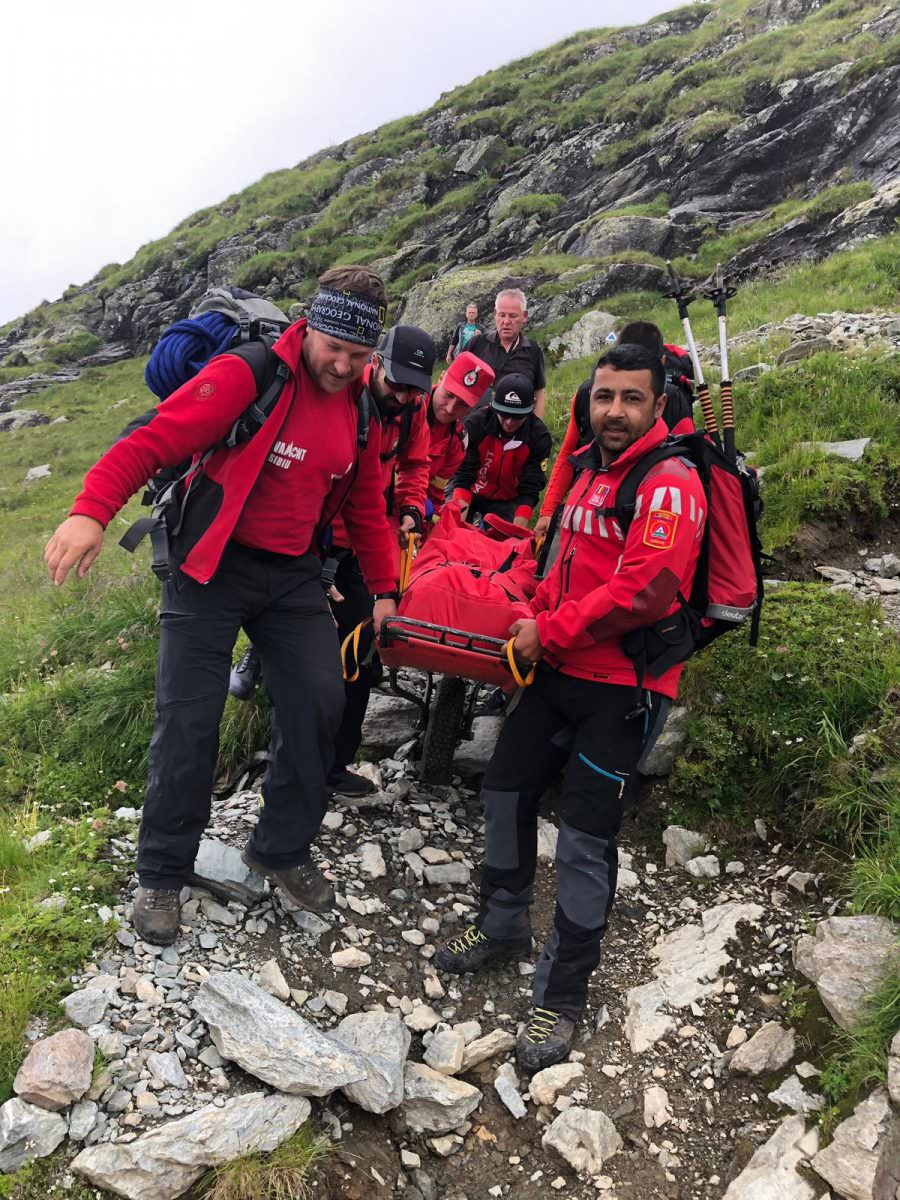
(537,203)
(282,1175)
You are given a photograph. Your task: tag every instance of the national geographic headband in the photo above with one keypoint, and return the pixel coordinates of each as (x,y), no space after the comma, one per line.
(346,315)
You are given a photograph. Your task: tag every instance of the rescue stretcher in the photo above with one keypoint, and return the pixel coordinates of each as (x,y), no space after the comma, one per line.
(459,597)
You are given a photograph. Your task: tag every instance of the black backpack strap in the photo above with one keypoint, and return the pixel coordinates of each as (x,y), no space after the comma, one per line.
(407,413)
(270,375)
(626,494)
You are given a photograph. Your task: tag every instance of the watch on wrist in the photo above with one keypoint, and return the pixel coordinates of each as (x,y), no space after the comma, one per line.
(394,595)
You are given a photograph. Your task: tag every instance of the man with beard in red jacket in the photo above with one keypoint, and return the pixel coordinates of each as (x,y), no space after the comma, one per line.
(580,716)
(247,555)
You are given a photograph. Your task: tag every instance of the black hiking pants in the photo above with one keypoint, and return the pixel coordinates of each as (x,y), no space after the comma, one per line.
(279,601)
(578,727)
(356,606)
(501,508)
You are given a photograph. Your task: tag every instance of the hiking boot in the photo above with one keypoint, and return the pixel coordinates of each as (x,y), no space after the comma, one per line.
(246,675)
(304,884)
(348,783)
(472,950)
(546,1040)
(157,914)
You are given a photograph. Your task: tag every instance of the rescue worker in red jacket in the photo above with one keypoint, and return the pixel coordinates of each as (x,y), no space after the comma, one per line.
(248,557)
(580,716)
(503,470)
(454,396)
(678,413)
(398,378)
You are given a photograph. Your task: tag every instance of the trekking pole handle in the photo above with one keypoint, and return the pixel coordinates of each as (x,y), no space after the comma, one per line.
(692,350)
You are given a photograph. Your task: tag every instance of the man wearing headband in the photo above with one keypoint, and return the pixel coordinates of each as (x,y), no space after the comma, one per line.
(398,379)
(247,556)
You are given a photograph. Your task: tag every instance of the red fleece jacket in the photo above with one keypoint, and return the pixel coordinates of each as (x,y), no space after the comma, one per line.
(603,584)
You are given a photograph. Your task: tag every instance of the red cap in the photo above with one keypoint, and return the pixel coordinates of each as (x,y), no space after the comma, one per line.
(468,378)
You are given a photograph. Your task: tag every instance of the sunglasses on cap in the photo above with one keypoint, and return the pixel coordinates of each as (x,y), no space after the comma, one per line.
(393,386)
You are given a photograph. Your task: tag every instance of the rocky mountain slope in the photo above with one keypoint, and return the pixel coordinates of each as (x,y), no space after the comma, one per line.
(757,132)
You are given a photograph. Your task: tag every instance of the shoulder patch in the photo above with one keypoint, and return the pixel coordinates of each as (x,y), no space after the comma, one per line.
(659,531)
(205,389)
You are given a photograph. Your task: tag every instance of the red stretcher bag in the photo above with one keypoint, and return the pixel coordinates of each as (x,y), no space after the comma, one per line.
(465,589)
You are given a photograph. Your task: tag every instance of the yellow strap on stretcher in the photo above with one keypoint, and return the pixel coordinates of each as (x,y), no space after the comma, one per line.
(406,561)
(352,638)
(521,680)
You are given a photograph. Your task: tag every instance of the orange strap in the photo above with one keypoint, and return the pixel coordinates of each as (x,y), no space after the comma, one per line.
(521,680)
(406,561)
(352,638)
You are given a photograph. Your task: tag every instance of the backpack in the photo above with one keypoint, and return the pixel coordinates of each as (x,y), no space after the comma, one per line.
(679,394)
(728,584)
(226,320)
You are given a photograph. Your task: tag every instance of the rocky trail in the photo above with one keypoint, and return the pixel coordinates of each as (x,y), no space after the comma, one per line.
(684,1065)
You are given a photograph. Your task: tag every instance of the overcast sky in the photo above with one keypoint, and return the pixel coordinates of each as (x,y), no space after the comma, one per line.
(119,119)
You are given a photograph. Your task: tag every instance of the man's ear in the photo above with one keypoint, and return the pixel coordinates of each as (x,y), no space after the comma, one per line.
(660,405)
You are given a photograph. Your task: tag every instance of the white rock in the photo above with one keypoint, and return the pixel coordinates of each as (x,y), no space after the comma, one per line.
(682,845)
(734,868)
(546,1085)
(409,840)
(87,1006)
(452,873)
(705,867)
(656,1107)
(332,821)
(770,1048)
(82,1119)
(691,960)
(382,1040)
(271,1041)
(167,1069)
(847,959)
(791,1094)
(436,1103)
(162,1164)
(548,835)
(220,868)
(271,980)
(352,957)
(27,1132)
(800,881)
(772,1171)
(422,1018)
(736,1037)
(863,1160)
(626,880)
(40,472)
(371,860)
(584,1137)
(506,1085)
(480,1049)
(445,1052)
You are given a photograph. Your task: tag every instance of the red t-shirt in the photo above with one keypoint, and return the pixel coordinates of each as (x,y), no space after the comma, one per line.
(285,505)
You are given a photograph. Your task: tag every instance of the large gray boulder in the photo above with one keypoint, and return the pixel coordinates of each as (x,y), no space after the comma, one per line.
(57,1070)
(382,1040)
(770,1049)
(847,958)
(590,334)
(487,154)
(271,1041)
(163,1164)
(612,235)
(660,759)
(220,868)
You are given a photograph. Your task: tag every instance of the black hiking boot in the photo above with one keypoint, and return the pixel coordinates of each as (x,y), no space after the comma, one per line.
(246,675)
(304,884)
(546,1040)
(472,950)
(348,783)
(157,914)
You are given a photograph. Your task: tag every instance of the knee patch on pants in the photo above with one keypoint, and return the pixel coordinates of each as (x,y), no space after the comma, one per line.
(501,829)
(584,883)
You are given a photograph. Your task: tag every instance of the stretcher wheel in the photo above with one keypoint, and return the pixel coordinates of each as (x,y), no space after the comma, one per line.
(443,730)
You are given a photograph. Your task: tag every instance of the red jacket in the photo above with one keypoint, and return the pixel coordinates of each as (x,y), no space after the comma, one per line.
(331,474)
(446,450)
(602,584)
(404,470)
(503,466)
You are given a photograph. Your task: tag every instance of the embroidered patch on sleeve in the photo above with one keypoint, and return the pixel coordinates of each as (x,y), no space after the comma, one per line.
(659,531)
(204,390)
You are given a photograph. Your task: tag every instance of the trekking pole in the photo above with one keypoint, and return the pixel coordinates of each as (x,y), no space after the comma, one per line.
(406,561)
(718,293)
(683,297)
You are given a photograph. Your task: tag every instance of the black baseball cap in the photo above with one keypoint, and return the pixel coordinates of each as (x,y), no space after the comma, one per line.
(408,355)
(513,396)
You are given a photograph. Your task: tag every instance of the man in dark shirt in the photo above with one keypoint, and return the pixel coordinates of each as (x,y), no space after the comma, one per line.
(508,350)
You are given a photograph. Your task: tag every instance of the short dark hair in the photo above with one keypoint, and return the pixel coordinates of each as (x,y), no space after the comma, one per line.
(630,357)
(359,280)
(643,333)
